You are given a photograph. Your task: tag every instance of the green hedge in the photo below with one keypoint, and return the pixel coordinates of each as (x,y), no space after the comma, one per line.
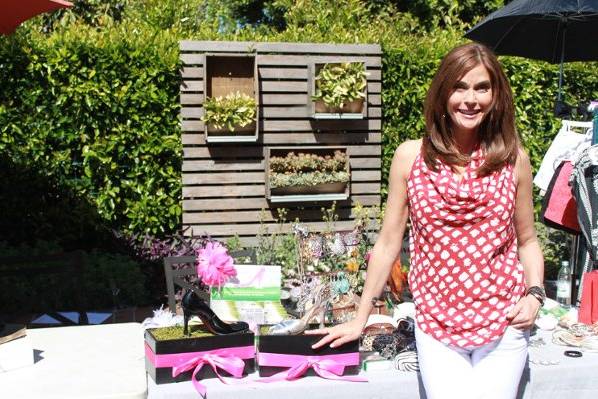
(92,108)
(97,113)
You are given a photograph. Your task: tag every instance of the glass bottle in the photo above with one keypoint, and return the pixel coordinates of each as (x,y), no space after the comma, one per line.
(563,285)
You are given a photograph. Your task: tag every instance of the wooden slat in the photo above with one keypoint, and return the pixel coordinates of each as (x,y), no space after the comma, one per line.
(258,177)
(256,165)
(292,111)
(300,138)
(209,165)
(366,175)
(192,59)
(258,190)
(279,47)
(374,87)
(223,178)
(257,151)
(365,188)
(284,99)
(245,229)
(276,59)
(191,99)
(226,152)
(192,85)
(365,163)
(194,72)
(258,203)
(374,99)
(299,125)
(266,86)
(275,112)
(266,73)
(374,75)
(283,86)
(374,112)
(268,215)
(224,191)
(191,112)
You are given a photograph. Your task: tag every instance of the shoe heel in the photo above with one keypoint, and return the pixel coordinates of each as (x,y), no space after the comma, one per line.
(322,316)
(186,323)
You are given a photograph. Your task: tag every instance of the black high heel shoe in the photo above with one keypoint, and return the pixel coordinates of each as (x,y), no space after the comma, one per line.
(193,305)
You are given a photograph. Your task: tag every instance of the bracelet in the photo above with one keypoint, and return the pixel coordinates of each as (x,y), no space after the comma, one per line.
(537,292)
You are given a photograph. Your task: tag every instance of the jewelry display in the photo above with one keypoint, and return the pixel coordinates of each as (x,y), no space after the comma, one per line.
(319,301)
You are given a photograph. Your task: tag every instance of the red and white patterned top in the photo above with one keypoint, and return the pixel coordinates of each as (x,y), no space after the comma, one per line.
(465,273)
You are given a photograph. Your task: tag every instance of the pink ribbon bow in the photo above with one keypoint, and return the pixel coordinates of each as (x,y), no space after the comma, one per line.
(227,359)
(330,367)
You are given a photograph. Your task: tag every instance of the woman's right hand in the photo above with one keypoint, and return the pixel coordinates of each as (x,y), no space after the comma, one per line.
(339,334)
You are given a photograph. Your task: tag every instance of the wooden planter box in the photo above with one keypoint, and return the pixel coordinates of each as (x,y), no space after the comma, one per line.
(225,74)
(337,191)
(356,109)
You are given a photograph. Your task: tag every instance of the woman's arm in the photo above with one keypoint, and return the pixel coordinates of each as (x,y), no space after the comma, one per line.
(523,315)
(386,249)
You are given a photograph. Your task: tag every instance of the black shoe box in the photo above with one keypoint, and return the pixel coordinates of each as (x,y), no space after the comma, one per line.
(163,375)
(300,345)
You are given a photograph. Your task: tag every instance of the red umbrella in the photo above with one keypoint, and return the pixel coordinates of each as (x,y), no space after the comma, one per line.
(15,12)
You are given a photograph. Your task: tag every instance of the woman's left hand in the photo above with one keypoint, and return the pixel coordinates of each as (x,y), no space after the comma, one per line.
(523,315)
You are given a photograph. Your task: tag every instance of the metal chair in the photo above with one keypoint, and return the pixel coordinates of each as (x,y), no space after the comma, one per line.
(175,277)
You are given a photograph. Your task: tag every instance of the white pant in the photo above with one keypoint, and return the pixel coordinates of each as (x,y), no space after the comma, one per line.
(491,371)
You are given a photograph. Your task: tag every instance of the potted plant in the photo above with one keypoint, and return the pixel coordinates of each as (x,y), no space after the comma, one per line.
(340,88)
(226,114)
(315,171)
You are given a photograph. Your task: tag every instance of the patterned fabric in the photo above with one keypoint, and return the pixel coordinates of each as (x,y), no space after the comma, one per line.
(465,273)
(584,183)
(406,361)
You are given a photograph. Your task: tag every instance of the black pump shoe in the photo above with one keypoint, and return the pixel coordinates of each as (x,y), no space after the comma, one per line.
(193,305)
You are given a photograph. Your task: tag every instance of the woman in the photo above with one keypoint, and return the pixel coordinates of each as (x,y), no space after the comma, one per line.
(476,265)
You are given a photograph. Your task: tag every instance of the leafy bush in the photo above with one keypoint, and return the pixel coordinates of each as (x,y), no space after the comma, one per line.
(108,280)
(233,110)
(556,247)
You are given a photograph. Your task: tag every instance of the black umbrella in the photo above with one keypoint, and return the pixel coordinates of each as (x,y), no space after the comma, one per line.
(556,31)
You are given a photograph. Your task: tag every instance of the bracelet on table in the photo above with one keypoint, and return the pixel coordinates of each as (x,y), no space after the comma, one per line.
(537,292)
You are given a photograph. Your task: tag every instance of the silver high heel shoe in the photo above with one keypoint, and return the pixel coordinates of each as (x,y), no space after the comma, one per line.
(297,326)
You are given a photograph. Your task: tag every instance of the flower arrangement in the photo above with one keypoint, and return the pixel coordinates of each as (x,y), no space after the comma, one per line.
(231,111)
(340,83)
(307,169)
(214,265)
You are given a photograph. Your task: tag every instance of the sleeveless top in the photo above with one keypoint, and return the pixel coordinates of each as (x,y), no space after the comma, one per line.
(465,274)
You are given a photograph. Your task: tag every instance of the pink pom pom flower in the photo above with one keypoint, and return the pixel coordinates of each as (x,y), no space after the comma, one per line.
(214,264)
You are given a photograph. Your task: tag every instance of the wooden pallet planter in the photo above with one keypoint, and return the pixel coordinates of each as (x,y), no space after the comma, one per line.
(334,191)
(224,184)
(225,74)
(356,109)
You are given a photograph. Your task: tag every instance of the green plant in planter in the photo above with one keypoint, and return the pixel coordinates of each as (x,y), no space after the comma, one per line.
(234,109)
(340,83)
(305,169)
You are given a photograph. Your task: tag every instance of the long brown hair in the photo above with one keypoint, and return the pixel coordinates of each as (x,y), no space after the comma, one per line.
(497,134)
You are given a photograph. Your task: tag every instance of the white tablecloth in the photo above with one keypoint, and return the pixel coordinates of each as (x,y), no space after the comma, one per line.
(100,361)
(573,378)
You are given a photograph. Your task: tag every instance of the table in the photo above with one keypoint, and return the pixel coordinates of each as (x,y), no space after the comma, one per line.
(572,378)
(100,361)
